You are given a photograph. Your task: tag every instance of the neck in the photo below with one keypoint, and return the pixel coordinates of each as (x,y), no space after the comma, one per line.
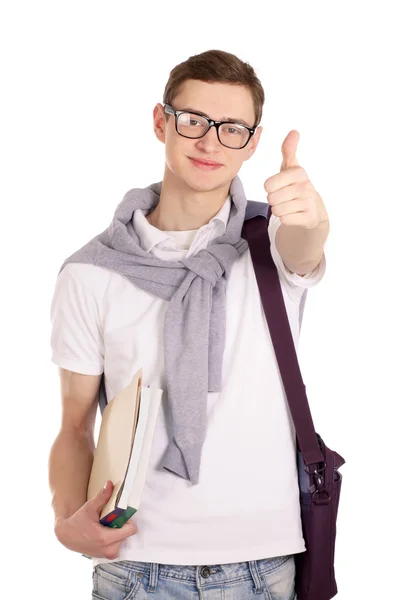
(181,208)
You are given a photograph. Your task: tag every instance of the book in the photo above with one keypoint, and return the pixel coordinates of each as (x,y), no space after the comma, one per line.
(123,449)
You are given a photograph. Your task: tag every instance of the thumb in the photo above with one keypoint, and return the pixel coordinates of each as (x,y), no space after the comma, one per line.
(289,149)
(103,496)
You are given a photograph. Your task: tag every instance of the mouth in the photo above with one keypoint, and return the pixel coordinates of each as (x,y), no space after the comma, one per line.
(207,165)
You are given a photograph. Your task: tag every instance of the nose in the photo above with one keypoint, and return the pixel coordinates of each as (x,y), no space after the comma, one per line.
(209,141)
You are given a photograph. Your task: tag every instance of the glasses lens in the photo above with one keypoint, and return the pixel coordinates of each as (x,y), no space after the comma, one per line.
(192,126)
(233,135)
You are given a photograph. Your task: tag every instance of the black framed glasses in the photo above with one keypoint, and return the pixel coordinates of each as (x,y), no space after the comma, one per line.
(194,125)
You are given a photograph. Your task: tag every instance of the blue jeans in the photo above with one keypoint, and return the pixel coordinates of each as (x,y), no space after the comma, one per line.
(265,579)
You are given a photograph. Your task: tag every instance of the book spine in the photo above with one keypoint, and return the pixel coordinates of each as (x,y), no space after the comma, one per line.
(118,517)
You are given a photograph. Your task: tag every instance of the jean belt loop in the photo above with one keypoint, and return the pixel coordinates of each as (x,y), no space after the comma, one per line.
(258,586)
(153,577)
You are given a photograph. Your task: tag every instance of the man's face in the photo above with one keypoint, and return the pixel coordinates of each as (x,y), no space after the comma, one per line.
(216,101)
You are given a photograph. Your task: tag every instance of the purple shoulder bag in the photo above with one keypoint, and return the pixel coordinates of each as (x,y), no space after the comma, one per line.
(319,478)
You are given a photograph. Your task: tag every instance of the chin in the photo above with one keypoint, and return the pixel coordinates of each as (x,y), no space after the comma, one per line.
(207,181)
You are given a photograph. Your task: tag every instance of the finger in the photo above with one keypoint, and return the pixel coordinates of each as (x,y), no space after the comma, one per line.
(117,534)
(289,149)
(285,178)
(296,206)
(111,552)
(102,497)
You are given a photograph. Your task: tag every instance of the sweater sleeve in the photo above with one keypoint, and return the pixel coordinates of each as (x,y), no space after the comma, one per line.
(77,342)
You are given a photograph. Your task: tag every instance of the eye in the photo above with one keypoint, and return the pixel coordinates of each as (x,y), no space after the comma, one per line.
(233,129)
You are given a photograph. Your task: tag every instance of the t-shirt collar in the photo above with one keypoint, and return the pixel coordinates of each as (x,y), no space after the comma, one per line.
(150,236)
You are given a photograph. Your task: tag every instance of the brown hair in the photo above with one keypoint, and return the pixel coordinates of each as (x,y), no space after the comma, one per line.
(216,66)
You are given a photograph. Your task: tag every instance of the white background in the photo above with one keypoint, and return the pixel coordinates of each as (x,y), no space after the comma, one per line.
(79,83)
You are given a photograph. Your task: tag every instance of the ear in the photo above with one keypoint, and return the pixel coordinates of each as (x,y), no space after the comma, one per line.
(159,122)
(253,143)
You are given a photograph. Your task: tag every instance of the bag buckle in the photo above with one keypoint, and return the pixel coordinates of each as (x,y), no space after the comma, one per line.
(319,470)
(319,494)
(321,497)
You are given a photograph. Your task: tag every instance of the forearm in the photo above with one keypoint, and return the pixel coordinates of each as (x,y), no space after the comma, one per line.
(70,463)
(301,249)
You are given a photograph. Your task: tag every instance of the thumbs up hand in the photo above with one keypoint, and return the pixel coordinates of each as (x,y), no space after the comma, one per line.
(291,194)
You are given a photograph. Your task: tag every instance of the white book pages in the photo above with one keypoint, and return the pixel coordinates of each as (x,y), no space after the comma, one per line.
(154,401)
(144,408)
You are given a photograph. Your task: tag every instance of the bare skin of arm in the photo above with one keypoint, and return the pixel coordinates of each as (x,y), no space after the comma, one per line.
(76,522)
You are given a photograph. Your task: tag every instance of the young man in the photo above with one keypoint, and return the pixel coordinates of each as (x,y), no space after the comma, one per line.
(170,287)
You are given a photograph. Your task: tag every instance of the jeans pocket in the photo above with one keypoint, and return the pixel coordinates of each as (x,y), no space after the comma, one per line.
(280,581)
(112,581)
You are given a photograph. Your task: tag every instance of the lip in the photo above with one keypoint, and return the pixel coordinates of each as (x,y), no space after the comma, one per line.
(204,164)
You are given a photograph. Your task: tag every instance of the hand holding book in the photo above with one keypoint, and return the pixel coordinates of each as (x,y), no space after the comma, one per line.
(83,533)
(123,450)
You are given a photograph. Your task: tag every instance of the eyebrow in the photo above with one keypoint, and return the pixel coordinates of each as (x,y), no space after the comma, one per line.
(228,119)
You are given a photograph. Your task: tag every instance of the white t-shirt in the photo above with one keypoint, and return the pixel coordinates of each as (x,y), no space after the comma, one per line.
(246,504)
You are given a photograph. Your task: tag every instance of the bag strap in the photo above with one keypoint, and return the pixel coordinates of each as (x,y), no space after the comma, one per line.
(255,230)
